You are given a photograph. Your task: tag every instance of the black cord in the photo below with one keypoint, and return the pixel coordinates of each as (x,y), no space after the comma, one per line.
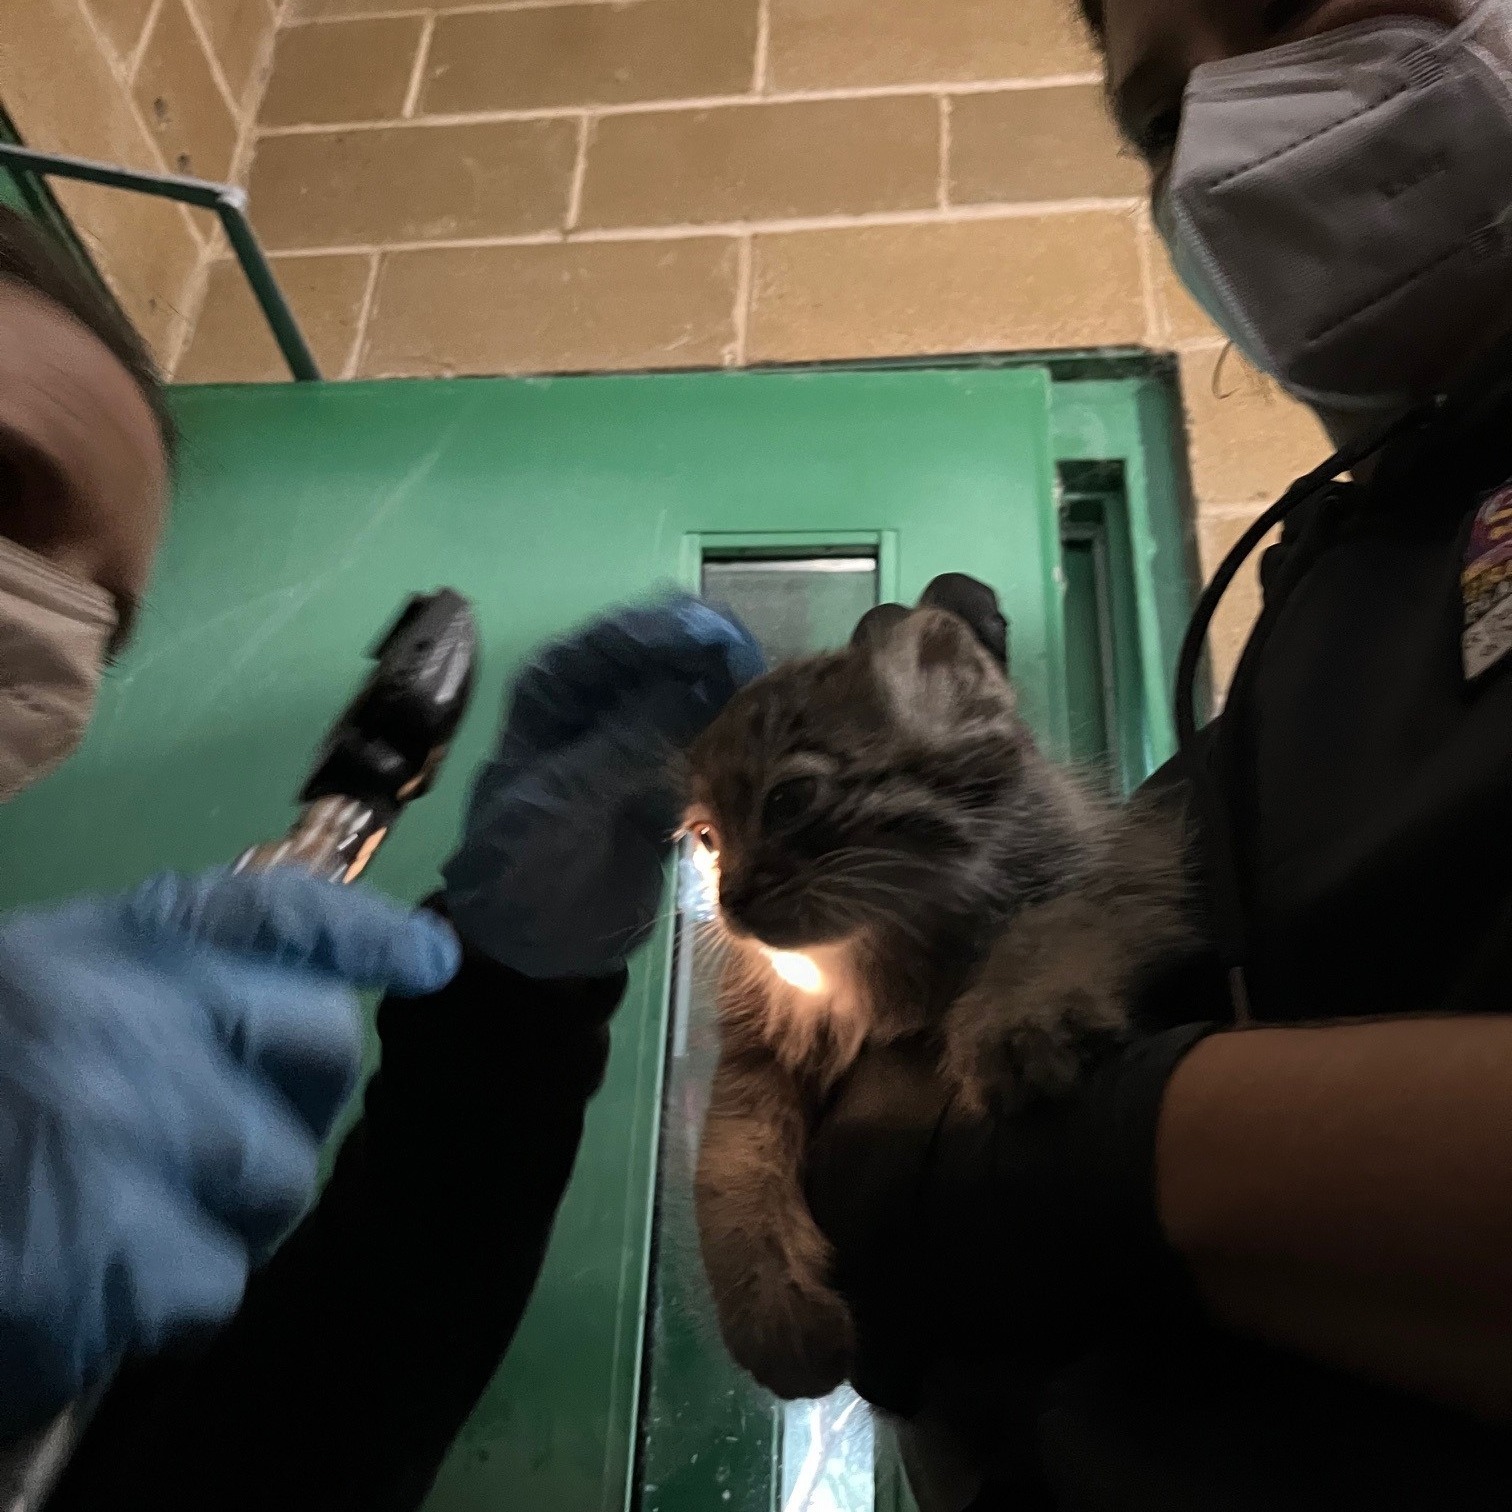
(1226,913)
(1346,459)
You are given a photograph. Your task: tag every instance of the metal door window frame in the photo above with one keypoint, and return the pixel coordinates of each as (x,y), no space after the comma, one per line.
(790,545)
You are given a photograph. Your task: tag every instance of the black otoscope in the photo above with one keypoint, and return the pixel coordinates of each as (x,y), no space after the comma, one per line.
(388,745)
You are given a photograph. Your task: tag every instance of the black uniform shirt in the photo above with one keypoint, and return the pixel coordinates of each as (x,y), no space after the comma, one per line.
(1353,811)
(1365,778)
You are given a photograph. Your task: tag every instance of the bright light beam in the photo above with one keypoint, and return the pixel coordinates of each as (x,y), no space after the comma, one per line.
(797,970)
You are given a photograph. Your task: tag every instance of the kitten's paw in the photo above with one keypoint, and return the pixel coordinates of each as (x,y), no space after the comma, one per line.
(1010,1065)
(796,1338)
(973,1094)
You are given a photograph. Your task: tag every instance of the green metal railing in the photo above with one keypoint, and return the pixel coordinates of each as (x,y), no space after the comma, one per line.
(227,201)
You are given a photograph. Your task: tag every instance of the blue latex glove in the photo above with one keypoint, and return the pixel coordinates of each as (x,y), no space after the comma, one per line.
(170,1061)
(560,869)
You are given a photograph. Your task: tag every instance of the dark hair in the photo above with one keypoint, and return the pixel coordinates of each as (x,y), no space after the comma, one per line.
(1092,14)
(32,256)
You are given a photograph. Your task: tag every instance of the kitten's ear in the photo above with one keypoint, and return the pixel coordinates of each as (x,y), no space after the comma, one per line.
(937,675)
(876,625)
(975,603)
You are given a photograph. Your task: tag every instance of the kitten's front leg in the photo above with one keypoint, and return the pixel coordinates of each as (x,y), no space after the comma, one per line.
(767,1262)
(1055,990)
(1051,992)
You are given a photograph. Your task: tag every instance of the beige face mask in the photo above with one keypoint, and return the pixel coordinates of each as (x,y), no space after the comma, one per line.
(54,633)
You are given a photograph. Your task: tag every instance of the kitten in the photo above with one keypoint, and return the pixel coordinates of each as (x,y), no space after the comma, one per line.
(895,858)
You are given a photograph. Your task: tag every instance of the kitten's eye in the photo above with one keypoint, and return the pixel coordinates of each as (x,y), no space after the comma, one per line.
(698,826)
(788,802)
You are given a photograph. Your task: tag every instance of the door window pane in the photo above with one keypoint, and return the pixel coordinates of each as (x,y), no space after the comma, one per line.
(711,1438)
(795,607)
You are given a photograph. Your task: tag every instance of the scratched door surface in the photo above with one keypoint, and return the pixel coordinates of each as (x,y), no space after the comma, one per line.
(306,514)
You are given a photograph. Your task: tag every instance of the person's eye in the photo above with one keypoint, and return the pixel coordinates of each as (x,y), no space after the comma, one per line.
(1281,15)
(1156,138)
(788,802)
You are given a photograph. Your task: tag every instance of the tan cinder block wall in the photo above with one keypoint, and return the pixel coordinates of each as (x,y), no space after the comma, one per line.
(498,186)
(154,84)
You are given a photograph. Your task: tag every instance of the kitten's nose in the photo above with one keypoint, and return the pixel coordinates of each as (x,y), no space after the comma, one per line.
(747,905)
(737,896)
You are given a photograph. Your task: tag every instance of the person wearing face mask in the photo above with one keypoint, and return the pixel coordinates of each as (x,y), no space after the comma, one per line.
(172,1059)
(1262,1257)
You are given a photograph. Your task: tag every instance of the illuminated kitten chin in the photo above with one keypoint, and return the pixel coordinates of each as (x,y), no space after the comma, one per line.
(821,979)
(816,1004)
(797,970)
(795,967)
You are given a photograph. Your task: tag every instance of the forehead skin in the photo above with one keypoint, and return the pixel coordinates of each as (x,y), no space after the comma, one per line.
(1152,46)
(83,474)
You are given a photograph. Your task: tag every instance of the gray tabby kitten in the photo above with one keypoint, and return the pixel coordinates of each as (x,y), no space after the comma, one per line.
(895,858)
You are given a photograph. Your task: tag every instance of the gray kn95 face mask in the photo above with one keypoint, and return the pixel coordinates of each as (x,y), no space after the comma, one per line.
(1342,206)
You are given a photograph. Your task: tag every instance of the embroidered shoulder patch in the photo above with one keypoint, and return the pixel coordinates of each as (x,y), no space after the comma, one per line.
(1486,584)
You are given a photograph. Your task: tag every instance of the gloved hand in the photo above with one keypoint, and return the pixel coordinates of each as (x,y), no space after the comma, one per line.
(170,1061)
(560,869)
(1011,1237)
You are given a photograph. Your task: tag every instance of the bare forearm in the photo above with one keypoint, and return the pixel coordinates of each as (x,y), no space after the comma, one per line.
(1346,1191)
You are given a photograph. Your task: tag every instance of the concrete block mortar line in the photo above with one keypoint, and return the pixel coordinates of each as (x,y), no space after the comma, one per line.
(735,355)
(417,69)
(1214,343)
(199,236)
(1157,333)
(217,73)
(121,65)
(364,338)
(419,8)
(763,47)
(579,173)
(693,230)
(194,303)
(364,313)
(134,64)
(943,193)
(215,246)
(1232,512)
(523,5)
(262,76)
(202,234)
(699,102)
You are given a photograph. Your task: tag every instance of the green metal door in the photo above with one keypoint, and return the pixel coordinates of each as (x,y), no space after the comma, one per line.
(710,1437)
(305,514)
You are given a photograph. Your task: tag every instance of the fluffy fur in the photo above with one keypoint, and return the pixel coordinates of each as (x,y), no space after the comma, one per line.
(885,811)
